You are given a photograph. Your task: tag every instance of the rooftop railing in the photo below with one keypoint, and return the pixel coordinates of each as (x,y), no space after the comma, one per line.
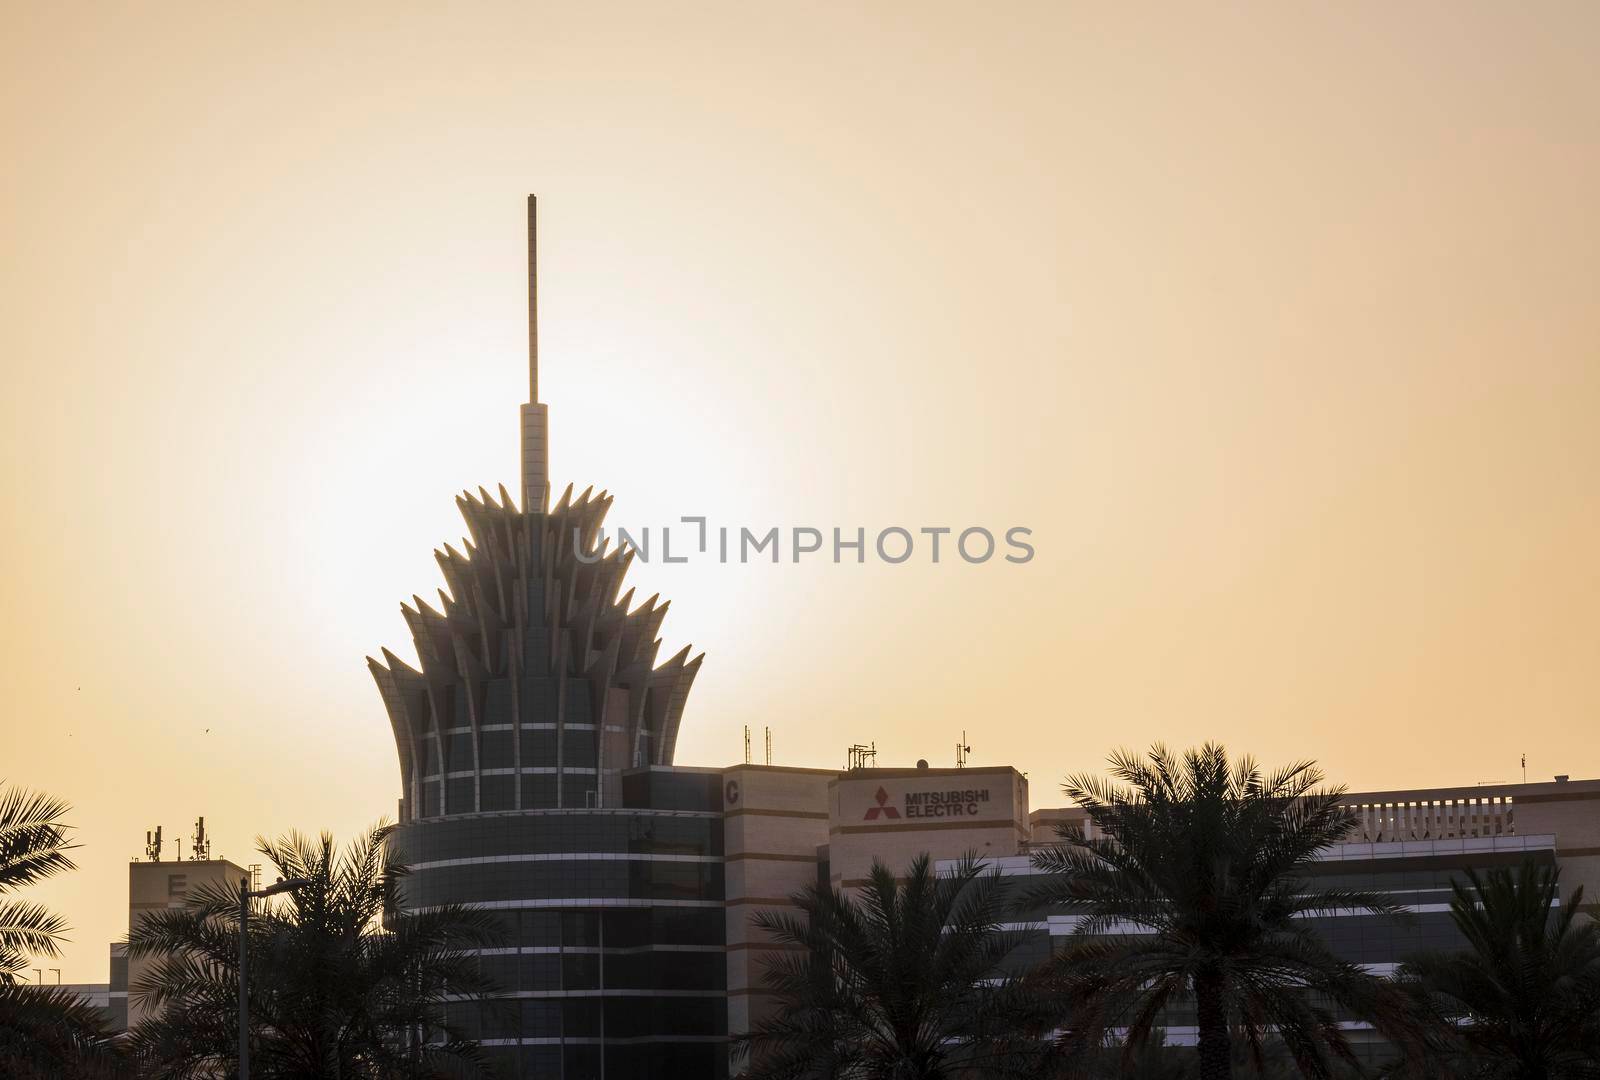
(1460,817)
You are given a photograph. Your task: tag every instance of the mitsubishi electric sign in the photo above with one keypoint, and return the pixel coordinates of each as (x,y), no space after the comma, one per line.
(937,803)
(965,803)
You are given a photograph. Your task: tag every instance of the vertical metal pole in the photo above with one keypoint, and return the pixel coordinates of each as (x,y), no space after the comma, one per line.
(535,424)
(533,299)
(244,994)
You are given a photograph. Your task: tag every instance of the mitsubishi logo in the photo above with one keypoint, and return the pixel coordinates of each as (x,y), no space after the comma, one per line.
(883,807)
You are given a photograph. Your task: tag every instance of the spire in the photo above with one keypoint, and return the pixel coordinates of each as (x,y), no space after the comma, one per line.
(533,299)
(535,418)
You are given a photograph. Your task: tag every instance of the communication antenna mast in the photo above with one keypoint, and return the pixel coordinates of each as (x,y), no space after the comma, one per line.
(1524,768)
(200,847)
(962,750)
(152,844)
(769,746)
(255,877)
(535,416)
(747,744)
(862,756)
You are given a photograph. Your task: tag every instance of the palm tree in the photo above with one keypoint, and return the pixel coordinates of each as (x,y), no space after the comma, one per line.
(33,846)
(1523,999)
(903,982)
(1155,1060)
(47,1033)
(44,1032)
(1194,890)
(342,983)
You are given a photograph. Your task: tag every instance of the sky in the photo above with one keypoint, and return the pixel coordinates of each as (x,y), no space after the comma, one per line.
(1275,324)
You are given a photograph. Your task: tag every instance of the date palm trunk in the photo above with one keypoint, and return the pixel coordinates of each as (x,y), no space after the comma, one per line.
(1216,1060)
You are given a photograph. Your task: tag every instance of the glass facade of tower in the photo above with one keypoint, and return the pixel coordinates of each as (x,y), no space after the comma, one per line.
(613,963)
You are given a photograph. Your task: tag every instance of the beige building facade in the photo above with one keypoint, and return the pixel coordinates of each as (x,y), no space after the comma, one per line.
(787,828)
(158,886)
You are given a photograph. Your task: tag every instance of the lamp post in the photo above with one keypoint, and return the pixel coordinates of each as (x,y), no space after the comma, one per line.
(245,896)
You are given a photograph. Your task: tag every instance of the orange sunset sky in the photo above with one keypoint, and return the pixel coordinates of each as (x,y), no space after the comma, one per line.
(1277,324)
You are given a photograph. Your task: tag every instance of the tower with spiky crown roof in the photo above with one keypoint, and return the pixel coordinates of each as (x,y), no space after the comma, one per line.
(535,740)
(532,640)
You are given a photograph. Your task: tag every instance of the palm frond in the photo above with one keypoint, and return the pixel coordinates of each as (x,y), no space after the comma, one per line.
(33,837)
(47,1033)
(337,983)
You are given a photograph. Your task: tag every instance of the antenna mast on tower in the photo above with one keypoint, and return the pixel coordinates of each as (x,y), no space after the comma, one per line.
(535,417)
(861,756)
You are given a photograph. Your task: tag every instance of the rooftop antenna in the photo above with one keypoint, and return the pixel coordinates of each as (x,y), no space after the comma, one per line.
(535,417)
(747,744)
(200,846)
(152,844)
(769,746)
(962,750)
(1524,768)
(861,756)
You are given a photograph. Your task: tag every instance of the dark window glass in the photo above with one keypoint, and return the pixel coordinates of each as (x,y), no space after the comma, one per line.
(540,928)
(539,749)
(580,928)
(497,749)
(675,880)
(459,796)
(502,1059)
(691,1016)
(541,971)
(580,971)
(688,926)
(538,694)
(578,703)
(538,791)
(467,1017)
(580,1017)
(669,789)
(501,1018)
(501,970)
(497,703)
(626,928)
(498,792)
(541,1062)
(460,753)
(579,749)
(581,1063)
(541,1018)
(666,971)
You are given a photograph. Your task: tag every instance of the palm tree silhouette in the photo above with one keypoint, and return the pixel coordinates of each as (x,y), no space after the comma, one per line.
(903,981)
(44,1031)
(342,981)
(1523,999)
(1193,892)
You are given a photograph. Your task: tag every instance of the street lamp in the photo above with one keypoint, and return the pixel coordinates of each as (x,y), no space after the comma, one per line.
(245,896)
